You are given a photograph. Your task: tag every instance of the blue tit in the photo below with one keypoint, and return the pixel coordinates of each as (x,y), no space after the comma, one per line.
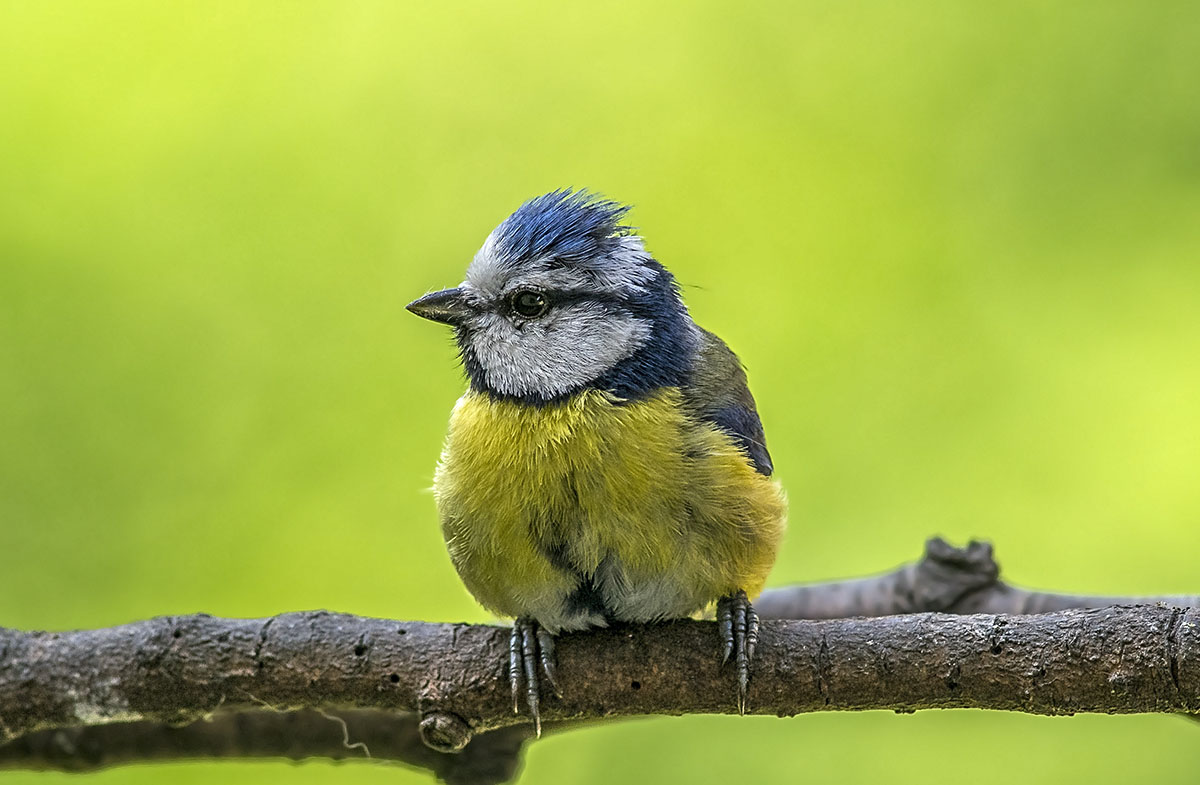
(607,463)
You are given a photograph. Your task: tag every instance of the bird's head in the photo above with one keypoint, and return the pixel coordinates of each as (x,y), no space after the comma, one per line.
(561,297)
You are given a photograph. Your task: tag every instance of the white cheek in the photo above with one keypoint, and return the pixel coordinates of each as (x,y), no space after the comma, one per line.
(566,351)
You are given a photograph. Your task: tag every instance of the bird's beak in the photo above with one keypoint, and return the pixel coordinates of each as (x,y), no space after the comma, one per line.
(448,306)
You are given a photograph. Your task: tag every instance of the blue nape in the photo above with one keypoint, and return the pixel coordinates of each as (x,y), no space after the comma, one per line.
(666,358)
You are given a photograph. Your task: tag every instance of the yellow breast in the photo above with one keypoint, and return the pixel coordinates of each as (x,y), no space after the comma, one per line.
(665,508)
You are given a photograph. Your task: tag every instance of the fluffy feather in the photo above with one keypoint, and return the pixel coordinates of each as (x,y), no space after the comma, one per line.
(607,462)
(592,510)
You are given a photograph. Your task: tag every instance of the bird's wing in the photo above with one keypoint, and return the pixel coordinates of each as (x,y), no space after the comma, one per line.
(717,392)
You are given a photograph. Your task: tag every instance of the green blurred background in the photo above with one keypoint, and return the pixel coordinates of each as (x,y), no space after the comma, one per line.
(957,246)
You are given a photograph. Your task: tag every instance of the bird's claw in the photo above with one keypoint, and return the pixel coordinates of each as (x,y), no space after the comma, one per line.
(529,647)
(738,625)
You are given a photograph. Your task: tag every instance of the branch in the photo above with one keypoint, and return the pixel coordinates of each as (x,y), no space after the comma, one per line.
(945,580)
(85,700)
(358,734)
(177,670)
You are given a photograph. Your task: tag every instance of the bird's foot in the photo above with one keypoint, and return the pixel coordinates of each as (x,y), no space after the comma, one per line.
(529,647)
(738,625)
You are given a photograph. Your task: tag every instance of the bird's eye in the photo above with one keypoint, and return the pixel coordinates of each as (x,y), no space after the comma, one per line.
(529,304)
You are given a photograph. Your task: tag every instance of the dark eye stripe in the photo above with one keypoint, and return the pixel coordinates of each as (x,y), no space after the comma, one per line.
(563,297)
(574,296)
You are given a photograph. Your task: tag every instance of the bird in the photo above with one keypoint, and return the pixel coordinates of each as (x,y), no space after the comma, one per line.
(606,463)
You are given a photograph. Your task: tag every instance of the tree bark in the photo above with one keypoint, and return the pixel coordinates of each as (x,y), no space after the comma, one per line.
(320,684)
(946,580)
(177,670)
(349,734)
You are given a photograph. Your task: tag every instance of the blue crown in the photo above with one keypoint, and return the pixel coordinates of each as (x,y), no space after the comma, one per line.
(565,225)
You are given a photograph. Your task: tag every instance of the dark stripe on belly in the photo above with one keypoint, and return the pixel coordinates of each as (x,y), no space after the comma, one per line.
(586,599)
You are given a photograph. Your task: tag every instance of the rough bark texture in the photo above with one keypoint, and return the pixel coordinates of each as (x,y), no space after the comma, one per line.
(366,735)
(176,670)
(945,580)
(198,686)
